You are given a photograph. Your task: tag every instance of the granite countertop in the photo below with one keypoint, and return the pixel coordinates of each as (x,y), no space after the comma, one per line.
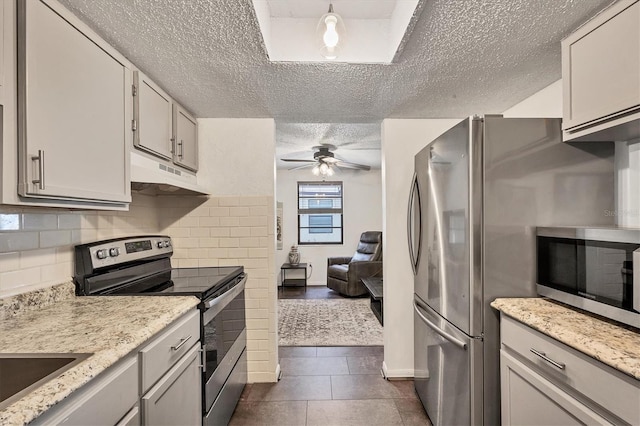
(109,327)
(614,345)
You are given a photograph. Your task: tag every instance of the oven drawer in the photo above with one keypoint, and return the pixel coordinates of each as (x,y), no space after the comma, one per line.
(166,349)
(585,378)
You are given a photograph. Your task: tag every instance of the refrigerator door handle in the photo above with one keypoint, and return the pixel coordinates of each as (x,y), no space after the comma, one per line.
(435,328)
(414,196)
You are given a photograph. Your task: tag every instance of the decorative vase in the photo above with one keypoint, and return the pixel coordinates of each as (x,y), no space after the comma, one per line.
(294,255)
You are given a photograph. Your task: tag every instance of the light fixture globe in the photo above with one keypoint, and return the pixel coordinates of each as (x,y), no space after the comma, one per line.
(330,34)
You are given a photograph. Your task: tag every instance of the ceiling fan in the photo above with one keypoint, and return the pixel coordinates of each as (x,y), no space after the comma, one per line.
(324,161)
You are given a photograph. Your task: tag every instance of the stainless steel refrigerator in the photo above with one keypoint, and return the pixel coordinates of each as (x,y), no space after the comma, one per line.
(478,193)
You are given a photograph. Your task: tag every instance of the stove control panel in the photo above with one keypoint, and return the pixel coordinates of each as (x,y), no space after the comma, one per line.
(114,252)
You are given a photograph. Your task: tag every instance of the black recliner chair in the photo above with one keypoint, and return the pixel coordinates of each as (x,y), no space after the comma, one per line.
(344,273)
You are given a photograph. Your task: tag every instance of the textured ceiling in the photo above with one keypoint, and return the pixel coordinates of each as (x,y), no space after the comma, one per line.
(463,57)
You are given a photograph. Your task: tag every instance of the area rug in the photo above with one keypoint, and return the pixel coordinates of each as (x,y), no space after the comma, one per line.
(327,322)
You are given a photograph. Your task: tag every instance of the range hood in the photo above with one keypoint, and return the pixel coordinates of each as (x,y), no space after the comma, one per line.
(154,177)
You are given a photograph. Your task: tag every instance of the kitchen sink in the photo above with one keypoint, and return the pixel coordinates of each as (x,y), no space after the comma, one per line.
(21,373)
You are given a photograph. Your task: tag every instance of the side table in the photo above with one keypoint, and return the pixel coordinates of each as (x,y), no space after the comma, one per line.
(293,282)
(374,287)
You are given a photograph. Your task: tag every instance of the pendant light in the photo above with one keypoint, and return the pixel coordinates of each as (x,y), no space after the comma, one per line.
(330,34)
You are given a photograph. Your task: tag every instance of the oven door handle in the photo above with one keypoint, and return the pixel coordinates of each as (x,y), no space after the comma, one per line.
(218,303)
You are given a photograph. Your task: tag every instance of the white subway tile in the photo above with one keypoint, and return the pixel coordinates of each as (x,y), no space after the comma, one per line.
(34,258)
(257,324)
(257,334)
(238,252)
(180,232)
(59,272)
(258,252)
(18,241)
(189,222)
(253,221)
(249,242)
(239,232)
(257,314)
(258,211)
(230,221)
(186,242)
(199,232)
(188,263)
(220,232)
(218,253)
(9,261)
(19,278)
(210,221)
(219,211)
(258,356)
(199,253)
(239,211)
(228,262)
(9,221)
(259,231)
(228,201)
(39,221)
(64,254)
(229,242)
(69,221)
(207,263)
(253,201)
(209,242)
(55,238)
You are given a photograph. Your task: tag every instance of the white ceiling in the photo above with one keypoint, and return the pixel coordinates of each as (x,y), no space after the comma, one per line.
(360,9)
(463,57)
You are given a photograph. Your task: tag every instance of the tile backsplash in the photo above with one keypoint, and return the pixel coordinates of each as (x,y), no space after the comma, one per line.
(36,244)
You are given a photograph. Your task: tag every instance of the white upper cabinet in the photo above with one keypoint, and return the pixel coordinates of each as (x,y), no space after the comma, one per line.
(152,117)
(185,130)
(600,72)
(73,112)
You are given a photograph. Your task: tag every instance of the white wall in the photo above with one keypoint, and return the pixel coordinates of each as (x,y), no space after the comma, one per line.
(362,212)
(237,224)
(401,140)
(237,156)
(546,103)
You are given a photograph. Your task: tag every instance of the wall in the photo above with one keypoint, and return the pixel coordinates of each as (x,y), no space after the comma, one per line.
(362,212)
(548,103)
(545,103)
(236,225)
(401,140)
(36,244)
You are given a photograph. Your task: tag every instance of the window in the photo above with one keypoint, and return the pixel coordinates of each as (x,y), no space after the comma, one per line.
(319,213)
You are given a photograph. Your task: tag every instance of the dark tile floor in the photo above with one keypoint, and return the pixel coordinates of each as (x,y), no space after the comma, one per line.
(312,292)
(330,386)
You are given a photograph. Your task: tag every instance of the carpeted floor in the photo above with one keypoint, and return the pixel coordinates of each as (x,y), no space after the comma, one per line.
(327,322)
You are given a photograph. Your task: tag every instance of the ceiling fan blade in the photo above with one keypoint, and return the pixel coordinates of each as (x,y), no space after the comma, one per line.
(304,166)
(297,160)
(353,166)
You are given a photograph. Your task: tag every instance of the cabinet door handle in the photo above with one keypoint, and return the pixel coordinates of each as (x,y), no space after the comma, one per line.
(181,145)
(40,159)
(549,360)
(181,344)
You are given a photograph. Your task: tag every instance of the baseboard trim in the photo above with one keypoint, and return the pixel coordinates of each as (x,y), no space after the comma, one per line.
(399,373)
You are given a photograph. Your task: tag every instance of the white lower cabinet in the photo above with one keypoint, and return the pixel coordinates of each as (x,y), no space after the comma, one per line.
(106,400)
(177,398)
(171,375)
(530,399)
(545,382)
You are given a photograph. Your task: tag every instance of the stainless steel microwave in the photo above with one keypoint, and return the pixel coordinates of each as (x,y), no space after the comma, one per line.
(595,269)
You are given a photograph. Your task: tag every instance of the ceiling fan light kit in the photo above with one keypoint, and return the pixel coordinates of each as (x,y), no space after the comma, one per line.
(330,34)
(325,162)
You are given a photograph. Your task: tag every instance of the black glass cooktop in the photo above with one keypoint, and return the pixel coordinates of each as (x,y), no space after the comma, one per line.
(201,282)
